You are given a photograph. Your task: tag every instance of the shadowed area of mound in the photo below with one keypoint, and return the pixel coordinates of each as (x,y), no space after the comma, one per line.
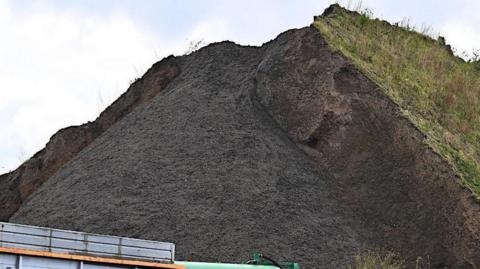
(284,149)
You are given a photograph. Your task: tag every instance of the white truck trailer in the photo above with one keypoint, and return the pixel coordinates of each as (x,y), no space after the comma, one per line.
(30,247)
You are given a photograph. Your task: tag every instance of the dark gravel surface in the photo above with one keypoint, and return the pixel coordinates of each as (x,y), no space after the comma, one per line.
(205,167)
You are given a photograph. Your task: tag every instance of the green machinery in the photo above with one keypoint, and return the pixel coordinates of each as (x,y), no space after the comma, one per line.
(259,262)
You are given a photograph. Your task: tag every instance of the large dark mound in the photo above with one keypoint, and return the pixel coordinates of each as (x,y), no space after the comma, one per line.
(285,148)
(203,165)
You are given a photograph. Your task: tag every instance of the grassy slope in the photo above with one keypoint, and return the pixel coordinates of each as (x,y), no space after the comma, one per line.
(438,92)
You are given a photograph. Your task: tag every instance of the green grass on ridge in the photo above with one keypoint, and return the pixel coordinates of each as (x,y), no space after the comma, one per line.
(437,91)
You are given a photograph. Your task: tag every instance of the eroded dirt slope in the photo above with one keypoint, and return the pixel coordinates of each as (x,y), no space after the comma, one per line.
(286,149)
(406,193)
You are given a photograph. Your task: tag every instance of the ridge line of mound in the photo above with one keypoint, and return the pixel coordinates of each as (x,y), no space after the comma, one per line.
(19,184)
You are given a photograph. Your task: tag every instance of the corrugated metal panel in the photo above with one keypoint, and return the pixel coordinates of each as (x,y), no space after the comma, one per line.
(8,261)
(11,261)
(60,241)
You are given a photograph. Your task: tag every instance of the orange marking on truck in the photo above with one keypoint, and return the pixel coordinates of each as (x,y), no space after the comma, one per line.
(74,257)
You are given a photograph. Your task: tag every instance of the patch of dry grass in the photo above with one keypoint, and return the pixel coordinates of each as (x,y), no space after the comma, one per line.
(384,260)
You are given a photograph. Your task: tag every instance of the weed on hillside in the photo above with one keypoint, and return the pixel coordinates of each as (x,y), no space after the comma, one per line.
(385,260)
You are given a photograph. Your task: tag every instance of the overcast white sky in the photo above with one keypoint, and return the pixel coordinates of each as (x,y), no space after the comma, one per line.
(62,62)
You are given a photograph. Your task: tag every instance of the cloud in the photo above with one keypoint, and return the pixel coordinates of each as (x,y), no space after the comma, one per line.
(462,31)
(4,10)
(59,69)
(211,30)
(462,36)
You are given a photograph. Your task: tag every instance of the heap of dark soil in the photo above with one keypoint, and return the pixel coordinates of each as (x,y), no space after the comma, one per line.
(285,149)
